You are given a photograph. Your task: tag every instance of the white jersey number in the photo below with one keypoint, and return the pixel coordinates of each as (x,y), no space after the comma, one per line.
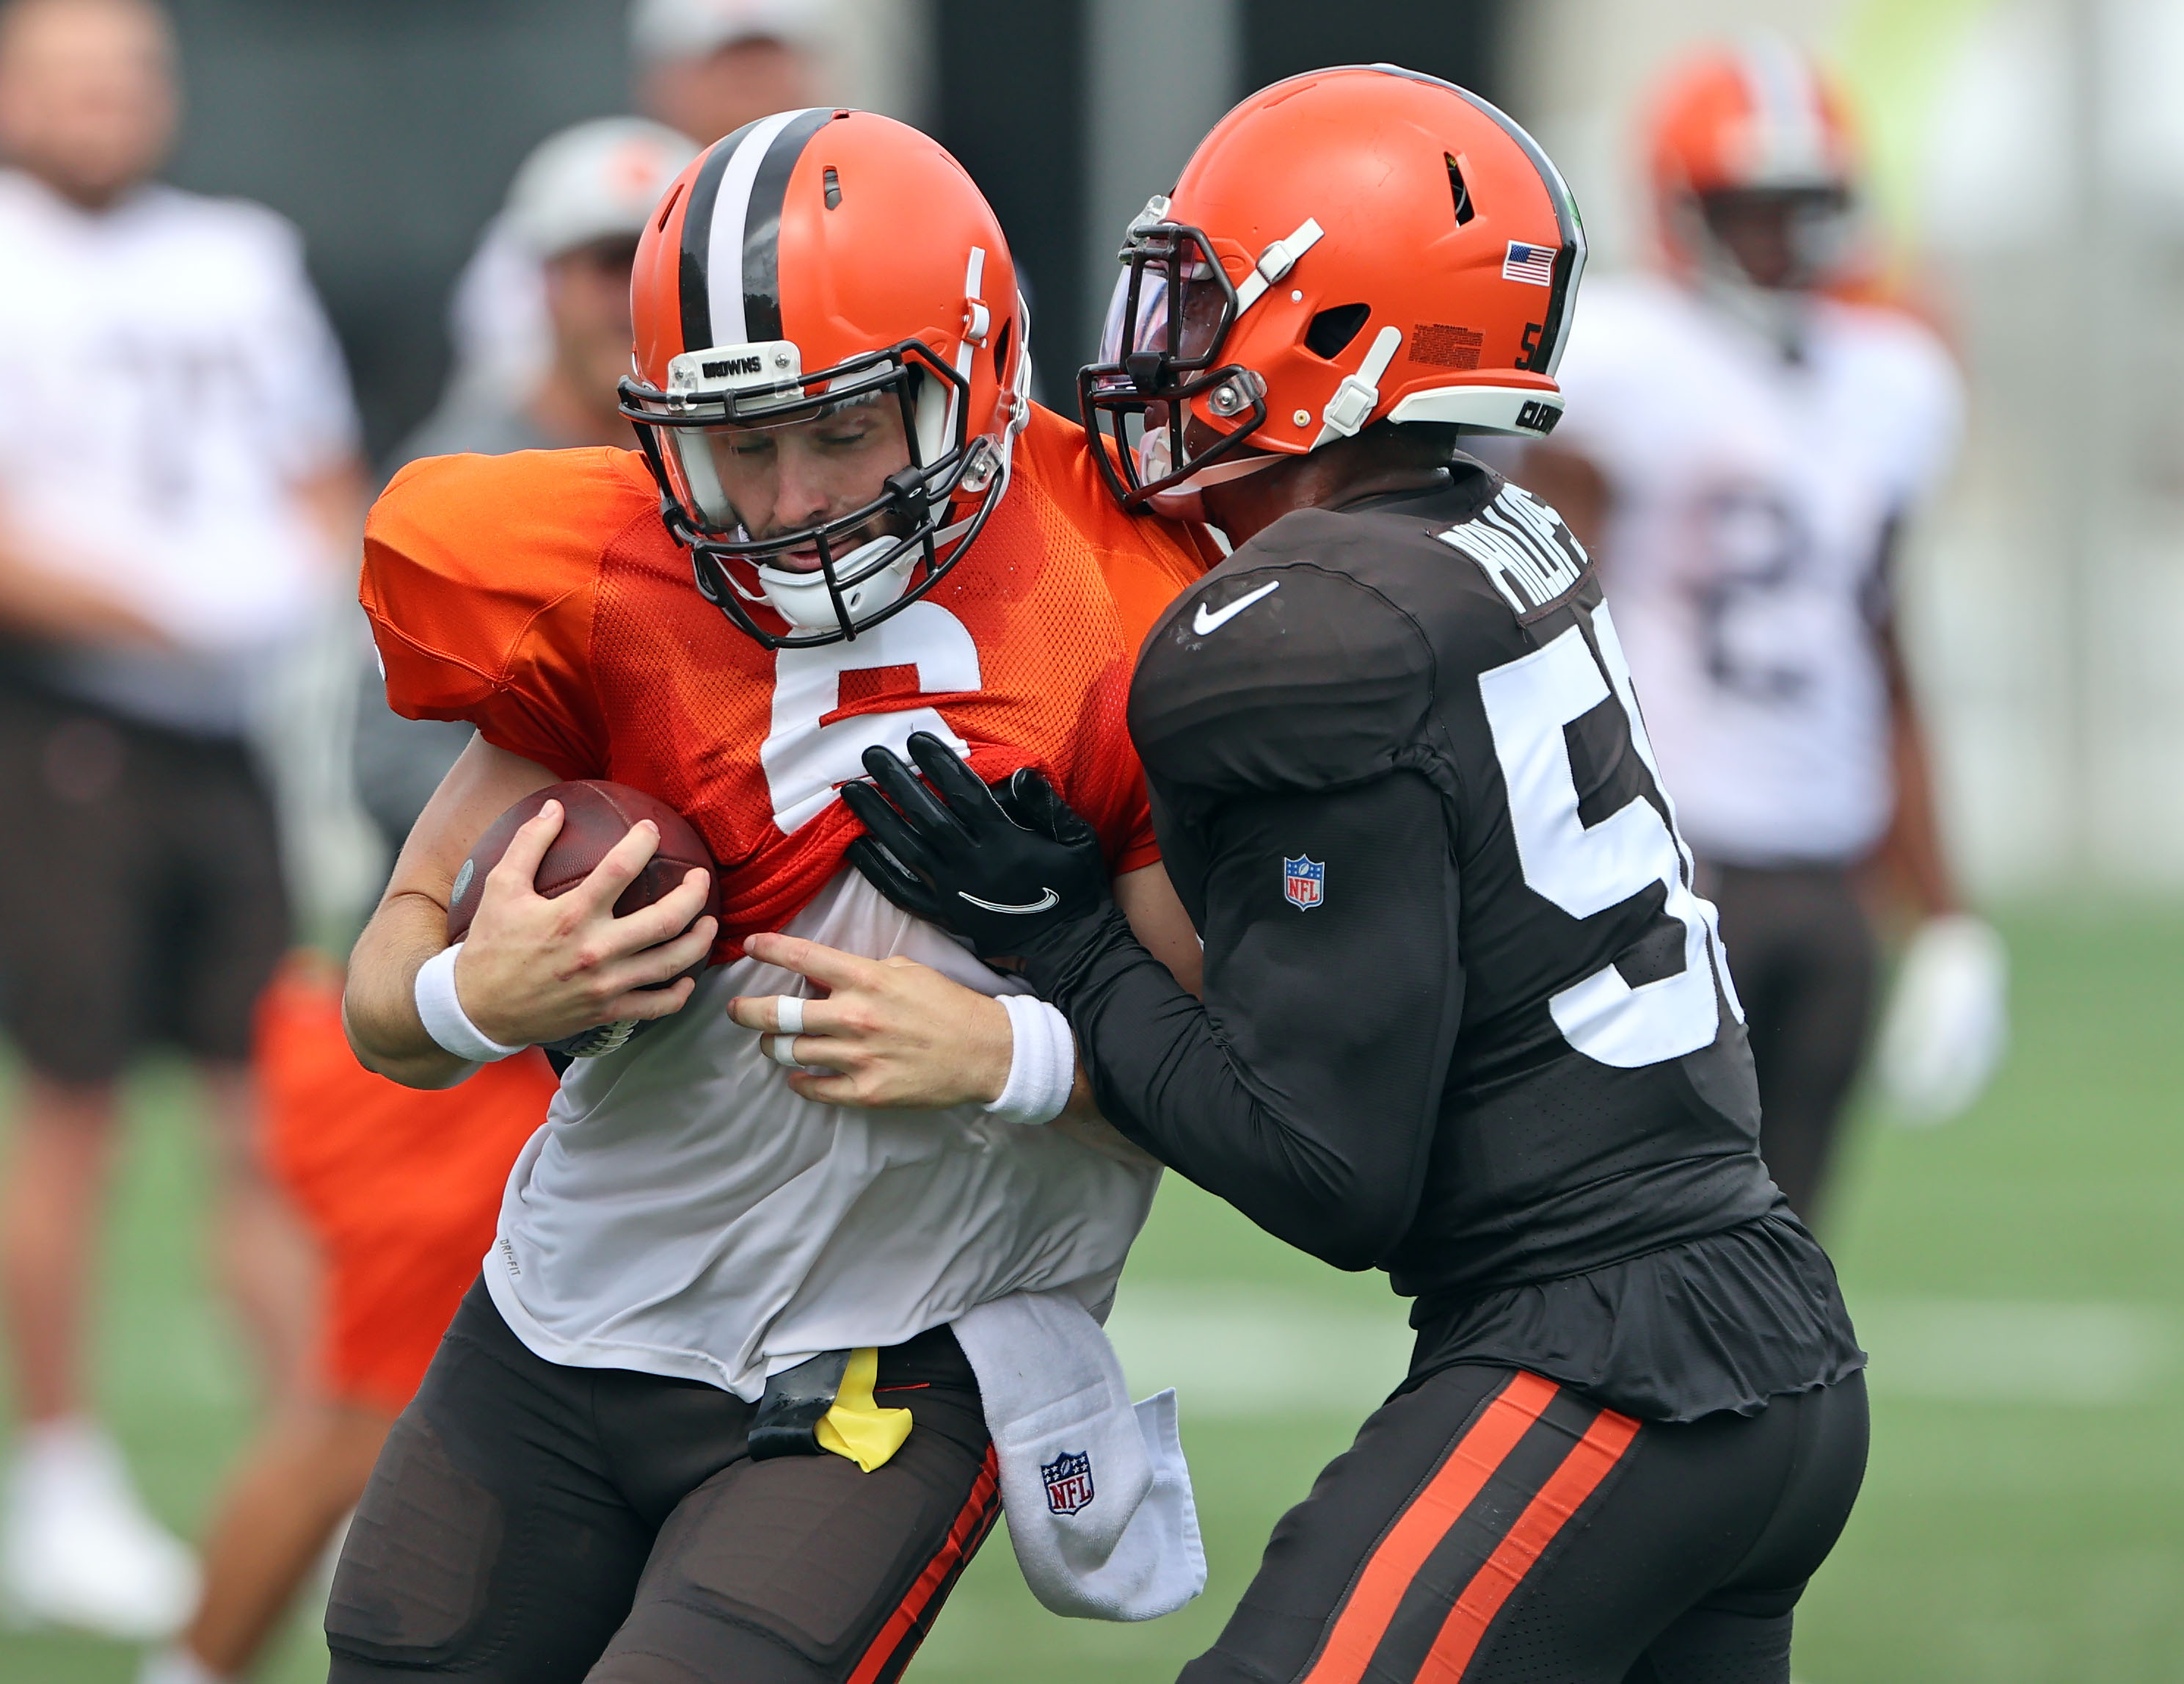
(807,756)
(1754,606)
(1587,869)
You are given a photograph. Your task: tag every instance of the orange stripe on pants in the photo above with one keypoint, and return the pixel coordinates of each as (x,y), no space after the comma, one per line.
(972,1524)
(1396,1560)
(1582,1470)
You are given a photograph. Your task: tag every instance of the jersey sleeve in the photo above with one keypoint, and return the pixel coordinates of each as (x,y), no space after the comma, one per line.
(1305,1087)
(1145,562)
(1607,383)
(480,580)
(1141,843)
(1922,406)
(1143,583)
(1279,675)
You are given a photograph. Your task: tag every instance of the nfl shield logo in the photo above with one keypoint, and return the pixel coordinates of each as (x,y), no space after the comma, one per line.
(1068,1481)
(1304,880)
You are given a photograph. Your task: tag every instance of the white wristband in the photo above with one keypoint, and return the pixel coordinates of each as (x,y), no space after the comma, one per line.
(443,1015)
(1042,1064)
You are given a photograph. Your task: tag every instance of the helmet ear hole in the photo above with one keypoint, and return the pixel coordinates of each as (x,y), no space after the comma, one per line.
(1460,193)
(1332,329)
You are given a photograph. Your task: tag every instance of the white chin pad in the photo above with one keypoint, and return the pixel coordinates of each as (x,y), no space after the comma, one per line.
(1179,504)
(1180,501)
(801,599)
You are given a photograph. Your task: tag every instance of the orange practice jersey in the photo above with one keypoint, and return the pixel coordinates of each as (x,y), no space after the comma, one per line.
(537,596)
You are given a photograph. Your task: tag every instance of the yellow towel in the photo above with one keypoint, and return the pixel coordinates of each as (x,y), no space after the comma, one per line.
(856,1427)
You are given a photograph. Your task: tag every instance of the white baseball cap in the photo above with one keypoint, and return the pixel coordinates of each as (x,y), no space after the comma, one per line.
(695,29)
(593,182)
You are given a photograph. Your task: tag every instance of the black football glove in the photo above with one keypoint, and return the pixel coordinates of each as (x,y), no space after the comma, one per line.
(999,867)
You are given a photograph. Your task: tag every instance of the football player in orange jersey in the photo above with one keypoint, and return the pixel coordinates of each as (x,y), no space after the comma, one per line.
(704,1415)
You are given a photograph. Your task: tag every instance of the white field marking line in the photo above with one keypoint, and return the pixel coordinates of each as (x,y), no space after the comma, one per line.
(2004,1350)
(1235,1351)
(1240,1352)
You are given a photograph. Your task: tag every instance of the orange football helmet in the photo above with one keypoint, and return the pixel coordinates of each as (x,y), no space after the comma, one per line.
(811,261)
(1349,246)
(1758,126)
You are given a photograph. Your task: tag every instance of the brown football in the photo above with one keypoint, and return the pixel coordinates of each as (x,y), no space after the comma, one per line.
(597,815)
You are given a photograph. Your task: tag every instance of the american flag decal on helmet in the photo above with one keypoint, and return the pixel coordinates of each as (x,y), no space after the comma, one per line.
(1532,264)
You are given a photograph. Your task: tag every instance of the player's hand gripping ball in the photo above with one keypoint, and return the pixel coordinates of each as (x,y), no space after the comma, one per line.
(596,816)
(999,866)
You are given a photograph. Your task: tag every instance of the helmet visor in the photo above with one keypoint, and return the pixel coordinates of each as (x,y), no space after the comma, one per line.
(807,470)
(1167,301)
(1156,395)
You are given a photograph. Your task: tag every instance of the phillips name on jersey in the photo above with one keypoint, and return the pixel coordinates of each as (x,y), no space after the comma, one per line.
(1598,1105)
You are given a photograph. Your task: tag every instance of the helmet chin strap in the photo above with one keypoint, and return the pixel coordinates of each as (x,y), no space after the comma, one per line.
(1182,501)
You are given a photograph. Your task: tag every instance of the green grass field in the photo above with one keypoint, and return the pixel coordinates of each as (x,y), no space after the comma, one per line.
(2018,1276)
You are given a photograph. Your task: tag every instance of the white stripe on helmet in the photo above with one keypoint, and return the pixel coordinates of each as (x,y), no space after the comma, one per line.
(724,253)
(1789,135)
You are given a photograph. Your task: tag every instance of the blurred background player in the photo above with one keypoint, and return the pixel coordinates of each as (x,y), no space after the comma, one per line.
(707,67)
(703,68)
(400,1187)
(178,483)
(573,215)
(1743,451)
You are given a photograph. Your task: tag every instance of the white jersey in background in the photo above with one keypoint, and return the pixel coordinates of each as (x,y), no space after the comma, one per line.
(1750,498)
(166,376)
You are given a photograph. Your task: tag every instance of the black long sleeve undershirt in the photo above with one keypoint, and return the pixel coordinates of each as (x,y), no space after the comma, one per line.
(1306,1089)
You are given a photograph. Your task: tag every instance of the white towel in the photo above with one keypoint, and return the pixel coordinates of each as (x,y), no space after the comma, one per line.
(1095,1488)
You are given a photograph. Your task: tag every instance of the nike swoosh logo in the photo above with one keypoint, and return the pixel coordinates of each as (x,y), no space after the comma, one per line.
(1049,899)
(1202,623)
